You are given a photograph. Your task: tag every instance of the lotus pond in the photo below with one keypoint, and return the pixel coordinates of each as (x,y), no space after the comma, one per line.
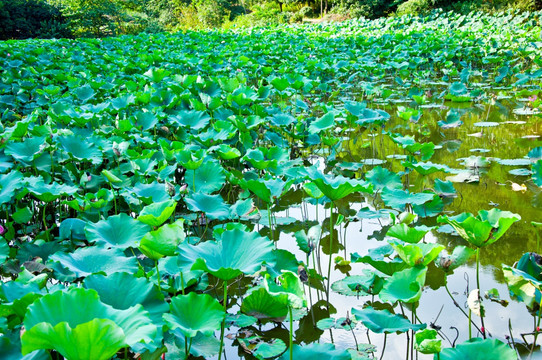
(357,190)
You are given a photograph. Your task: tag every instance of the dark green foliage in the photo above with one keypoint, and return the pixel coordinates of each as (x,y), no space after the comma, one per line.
(23,19)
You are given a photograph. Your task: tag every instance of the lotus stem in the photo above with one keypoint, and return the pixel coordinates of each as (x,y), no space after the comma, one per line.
(330,256)
(354,335)
(463,311)
(158,275)
(478,285)
(384,347)
(223,322)
(270,223)
(536,330)
(291,333)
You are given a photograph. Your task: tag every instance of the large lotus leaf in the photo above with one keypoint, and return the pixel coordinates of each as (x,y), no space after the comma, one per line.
(499,220)
(289,284)
(259,188)
(460,255)
(208,178)
(193,119)
(262,349)
(117,231)
(522,286)
(72,228)
(27,150)
(282,120)
(473,230)
(398,198)
(426,168)
(478,349)
(536,170)
(427,342)
(263,305)
(156,214)
(407,233)
(10,183)
(417,254)
(4,250)
(92,260)
(382,321)
(338,187)
(258,158)
(382,178)
(134,290)
(213,206)
(226,152)
(323,351)
(405,286)
(379,258)
(151,193)
(65,307)
(195,313)
(190,159)
(201,345)
(323,123)
(97,339)
(80,149)
(50,192)
(164,241)
(236,252)
(355,285)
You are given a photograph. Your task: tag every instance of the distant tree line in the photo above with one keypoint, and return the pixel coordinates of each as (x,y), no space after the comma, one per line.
(22,19)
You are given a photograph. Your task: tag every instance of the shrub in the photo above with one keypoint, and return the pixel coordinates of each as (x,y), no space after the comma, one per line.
(23,19)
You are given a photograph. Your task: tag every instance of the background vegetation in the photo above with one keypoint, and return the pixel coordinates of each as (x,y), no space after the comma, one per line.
(23,19)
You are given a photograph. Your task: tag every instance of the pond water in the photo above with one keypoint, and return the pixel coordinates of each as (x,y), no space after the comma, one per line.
(510,137)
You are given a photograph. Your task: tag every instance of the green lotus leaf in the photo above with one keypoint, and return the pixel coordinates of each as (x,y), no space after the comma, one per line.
(262,349)
(4,250)
(405,285)
(289,284)
(338,187)
(97,339)
(27,150)
(379,258)
(194,313)
(536,170)
(407,233)
(50,192)
(151,193)
(118,231)
(460,255)
(355,285)
(84,93)
(92,260)
(417,254)
(323,351)
(499,220)
(213,206)
(282,120)
(190,159)
(398,198)
(72,228)
(427,342)
(382,321)
(453,119)
(80,149)
(164,241)
(280,83)
(227,153)
(201,345)
(193,119)
(206,179)
(268,190)
(236,252)
(426,168)
(156,214)
(10,183)
(260,304)
(258,159)
(478,349)
(325,122)
(336,323)
(383,178)
(134,291)
(56,322)
(445,188)
(312,190)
